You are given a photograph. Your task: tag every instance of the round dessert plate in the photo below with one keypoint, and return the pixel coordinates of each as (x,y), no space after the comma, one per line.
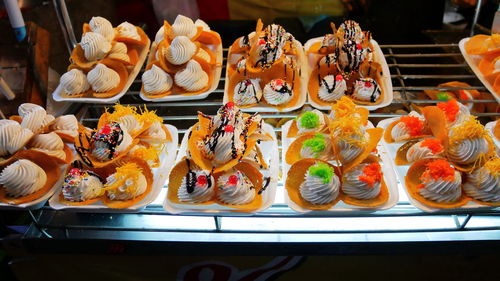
(341,207)
(270,152)
(489,127)
(473,62)
(401,170)
(378,56)
(215,80)
(143,53)
(262,107)
(160,174)
(38,203)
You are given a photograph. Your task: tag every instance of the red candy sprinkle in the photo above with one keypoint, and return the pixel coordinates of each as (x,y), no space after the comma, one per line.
(106,130)
(339,77)
(278,82)
(232,180)
(358,46)
(230,104)
(368,84)
(74,171)
(262,42)
(202,180)
(229,129)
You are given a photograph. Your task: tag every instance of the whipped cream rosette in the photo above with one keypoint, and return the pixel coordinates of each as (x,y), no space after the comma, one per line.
(66,127)
(308,122)
(182,61)
(455,112)
(156,132)
(13,138)
(411,126)
(268,58)
(122,53)
(313,184)
(27,176)
(128,117)
(312,145)
(417,149)
(435,183)
(131,34)
(52,145)
(344,66)
(81,187)
(483,183)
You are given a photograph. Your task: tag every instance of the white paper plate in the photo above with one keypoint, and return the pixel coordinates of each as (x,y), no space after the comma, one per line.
(160,175)
(401,171)
(262,107)
(268,148)
(131,77)
(378,57)
(215,81)
(473,62)
(341,207)
(37,204)
(489,127)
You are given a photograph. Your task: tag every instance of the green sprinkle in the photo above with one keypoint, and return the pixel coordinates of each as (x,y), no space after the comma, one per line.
(309,120)
(323,171)
(317,144)
(443,96)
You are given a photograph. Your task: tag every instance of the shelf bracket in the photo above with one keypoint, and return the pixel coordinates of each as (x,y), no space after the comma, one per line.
(461,225)
(37,225)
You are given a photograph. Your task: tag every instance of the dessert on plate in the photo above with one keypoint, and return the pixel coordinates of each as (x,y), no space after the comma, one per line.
(264,69)
(183,59)
(103,60)
(344,67)
(483,183)
(411,126)
(224,163)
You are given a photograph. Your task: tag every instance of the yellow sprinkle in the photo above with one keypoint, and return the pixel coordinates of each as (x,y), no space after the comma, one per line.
(348,129)
(344,107)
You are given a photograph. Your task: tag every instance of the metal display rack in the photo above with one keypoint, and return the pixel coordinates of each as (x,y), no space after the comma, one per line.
(413,68)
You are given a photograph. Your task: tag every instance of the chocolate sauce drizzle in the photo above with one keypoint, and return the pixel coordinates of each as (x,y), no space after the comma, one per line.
(267,181)
(243,88)
(274,37)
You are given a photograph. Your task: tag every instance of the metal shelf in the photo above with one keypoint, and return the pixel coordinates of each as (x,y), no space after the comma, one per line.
(413,67)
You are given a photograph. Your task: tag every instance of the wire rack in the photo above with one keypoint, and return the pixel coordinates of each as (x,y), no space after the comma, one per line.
(413,68)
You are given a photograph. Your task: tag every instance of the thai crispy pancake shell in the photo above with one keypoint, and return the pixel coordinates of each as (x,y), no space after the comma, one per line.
(375,134)
(78,59)
(146,171)
(48,164)
(122,72)
(496,130)
(104,119)
(388,136)
(209,38)
(82,142)
(293,131)
(496,84)
(437,123)
(487,66)
(477,45)
(143,41)
(278,71)
(255,177)
(293,153)
(178,172)
(379,200)
(295,178)
(402,150)
(412,181)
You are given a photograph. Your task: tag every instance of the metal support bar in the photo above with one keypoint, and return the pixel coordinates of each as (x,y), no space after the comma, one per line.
(65,24)
(217,222)
(37,225)
(476,16)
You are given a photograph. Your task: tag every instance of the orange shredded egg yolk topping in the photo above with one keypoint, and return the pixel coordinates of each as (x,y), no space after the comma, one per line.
(344,107)
(469,129)
(450,109)
(347,129)
(433,144)
(122,174)
(371,174)
(438,170)
(149,116)
(414,124)
(493,166)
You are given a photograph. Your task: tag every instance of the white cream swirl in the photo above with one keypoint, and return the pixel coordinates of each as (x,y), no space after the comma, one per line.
(247,92)
(220,147)
(183,26)
(74,82)
(66,124)
(204,55)
(321,124)
(417,152)
(156,81)
(201,183)
(235,188)
(13,137)
(50,144)
(315,191)
(356,188)
(332,88)
(160,35)
(442,190)
(35,118)
(468,150)
(180,51)
(202,24)
(103,79)
(128,30)
(482,185)
(102,26)
(192,78)
(366,89)
(400,131)
(22,178)
(278,92)
(119,51)
(130,189)
(156,131)
(81,185)
(95,46)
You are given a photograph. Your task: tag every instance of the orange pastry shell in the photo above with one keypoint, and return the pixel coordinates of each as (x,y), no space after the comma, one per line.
(177,173)
(142,42)
(402,150)
(496,130)
(477,45)
(379,200)
(293,153)
(412,182)
(122,72)
(293,131)
(295,178)
(375,134)
(48,164)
